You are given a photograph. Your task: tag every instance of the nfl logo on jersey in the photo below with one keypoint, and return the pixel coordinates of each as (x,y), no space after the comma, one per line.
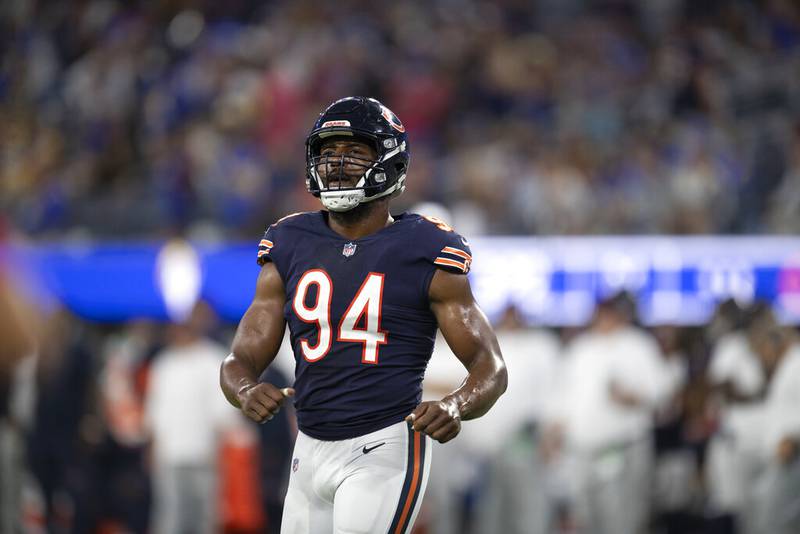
(349,249)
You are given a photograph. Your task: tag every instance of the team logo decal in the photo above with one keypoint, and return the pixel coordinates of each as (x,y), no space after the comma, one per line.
(392,118)
(348,250)
(295,464)
(331,124)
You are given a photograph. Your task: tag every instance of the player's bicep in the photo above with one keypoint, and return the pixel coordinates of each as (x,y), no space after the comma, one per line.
(463,324)
(261,329)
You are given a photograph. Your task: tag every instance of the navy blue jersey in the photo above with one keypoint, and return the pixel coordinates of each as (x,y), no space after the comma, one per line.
(358,312)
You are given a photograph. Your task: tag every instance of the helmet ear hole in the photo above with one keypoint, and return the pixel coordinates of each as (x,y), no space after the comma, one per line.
(399,168)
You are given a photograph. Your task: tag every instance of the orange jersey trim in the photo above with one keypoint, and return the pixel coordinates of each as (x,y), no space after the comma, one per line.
(457,252)
(450,263)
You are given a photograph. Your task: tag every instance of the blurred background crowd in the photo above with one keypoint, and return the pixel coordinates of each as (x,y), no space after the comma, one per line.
(178,117)
(548,117)
(607,428)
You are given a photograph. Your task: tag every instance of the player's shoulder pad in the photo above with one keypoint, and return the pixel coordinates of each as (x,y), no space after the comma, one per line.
(445,247)
(276,233)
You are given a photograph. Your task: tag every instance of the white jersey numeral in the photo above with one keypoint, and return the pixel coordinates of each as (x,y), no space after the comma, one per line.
(319,313)
(367,303)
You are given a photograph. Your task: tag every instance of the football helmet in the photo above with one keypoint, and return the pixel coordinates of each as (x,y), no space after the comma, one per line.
(369,121)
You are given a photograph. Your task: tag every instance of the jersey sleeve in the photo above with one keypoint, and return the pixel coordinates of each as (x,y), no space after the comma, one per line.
(455,255)
(265,246)
(448,250)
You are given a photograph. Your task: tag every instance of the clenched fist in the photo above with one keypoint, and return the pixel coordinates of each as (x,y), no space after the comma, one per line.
(441,420)
(260,402)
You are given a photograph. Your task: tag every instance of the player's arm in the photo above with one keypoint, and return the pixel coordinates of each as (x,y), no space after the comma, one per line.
(16,331)
(472,340)
(255,345)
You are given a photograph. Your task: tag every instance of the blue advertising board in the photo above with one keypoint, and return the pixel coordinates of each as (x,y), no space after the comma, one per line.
(551,281)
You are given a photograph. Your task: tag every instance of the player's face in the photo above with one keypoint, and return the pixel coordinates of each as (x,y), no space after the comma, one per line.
(344,161)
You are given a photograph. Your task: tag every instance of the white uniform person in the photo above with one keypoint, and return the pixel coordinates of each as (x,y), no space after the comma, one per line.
(614,378)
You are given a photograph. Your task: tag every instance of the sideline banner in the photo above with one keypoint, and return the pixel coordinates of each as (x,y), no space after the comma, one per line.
(552,281)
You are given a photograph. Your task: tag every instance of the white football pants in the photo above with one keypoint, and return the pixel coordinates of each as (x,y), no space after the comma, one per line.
(371,484)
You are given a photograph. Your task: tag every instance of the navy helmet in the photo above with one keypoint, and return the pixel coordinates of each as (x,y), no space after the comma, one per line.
(369,121)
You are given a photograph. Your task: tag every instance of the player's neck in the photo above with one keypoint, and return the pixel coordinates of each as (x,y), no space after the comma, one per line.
(361,221)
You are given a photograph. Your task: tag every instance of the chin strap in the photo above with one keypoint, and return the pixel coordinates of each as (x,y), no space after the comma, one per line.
(341,201)
(346,200)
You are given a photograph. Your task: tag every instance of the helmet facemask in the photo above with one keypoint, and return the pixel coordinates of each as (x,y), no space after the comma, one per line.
(345,181)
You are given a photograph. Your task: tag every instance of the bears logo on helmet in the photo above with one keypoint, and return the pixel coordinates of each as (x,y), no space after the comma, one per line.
(392,118)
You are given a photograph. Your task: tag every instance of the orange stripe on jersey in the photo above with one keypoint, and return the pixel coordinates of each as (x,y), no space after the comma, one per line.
(263,252)
(412,492)
(265,243)
(451,263)
(457,252)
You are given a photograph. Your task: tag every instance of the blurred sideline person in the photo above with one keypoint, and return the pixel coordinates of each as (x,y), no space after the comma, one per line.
(457,498)
(515,497)
(676,468)
(186,417)
(275,454)
(775,489)
(66,432)
(17,345)
(601,424)
(363,292)
(759,439)
(122,393)
(737,377)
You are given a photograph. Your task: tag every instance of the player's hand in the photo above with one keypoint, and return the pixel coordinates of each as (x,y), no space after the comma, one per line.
(787,450)
(441,420)
(622,396)
(260,402)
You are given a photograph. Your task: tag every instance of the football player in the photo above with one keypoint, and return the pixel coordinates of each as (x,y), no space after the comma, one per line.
(363,293)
